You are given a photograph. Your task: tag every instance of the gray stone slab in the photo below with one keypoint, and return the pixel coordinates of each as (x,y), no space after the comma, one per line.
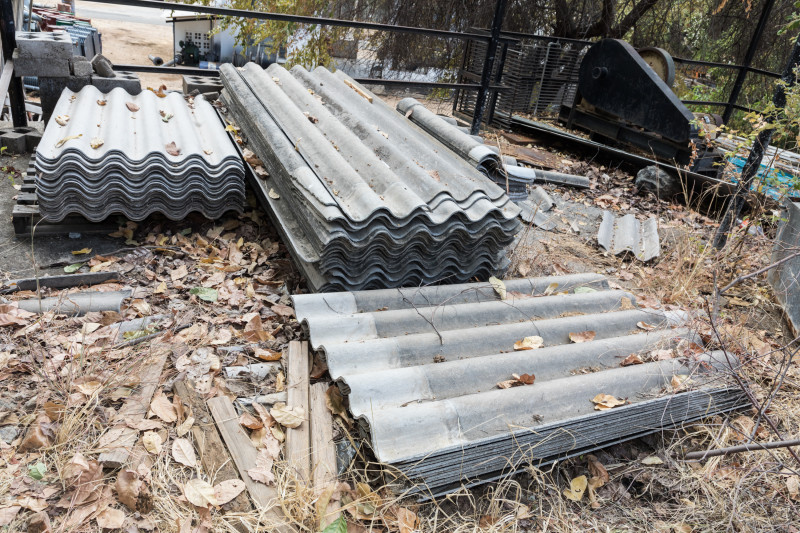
(127,80)
(44,45)
(40,66)
(81,67)
(13,142)
(103,67)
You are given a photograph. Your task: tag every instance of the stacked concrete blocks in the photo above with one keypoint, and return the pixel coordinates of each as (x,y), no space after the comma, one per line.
(19,140)
(42,54)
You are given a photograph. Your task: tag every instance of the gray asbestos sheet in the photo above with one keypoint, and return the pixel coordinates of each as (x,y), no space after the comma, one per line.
(136,155)
(628,235)
(421,368)
(363,197)
(785,278)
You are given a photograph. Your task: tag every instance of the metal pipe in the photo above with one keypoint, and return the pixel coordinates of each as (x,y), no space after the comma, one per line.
(16,92)
(488,65)
(760,146)
(545,176)
(748,58)
(157,61)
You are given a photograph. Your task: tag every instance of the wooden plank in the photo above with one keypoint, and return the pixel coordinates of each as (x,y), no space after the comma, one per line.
(244,456)
(135,408)
(214,456)
(298,440)
(358,89)
(323,451)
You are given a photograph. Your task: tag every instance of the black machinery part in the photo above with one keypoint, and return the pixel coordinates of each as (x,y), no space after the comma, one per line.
(615,79)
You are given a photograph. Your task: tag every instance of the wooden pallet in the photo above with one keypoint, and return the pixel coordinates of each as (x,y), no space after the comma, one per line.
(25,215)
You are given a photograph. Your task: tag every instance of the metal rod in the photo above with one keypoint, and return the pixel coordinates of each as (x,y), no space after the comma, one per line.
(488,65)
(499,79)
(211,73)
(753,446)
(748,59)
(760,146)
(282,17)
(16,92)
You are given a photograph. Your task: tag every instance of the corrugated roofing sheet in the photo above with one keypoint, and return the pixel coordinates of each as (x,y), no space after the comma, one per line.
(136,155)
(363,197)
(626,234)
(421,368)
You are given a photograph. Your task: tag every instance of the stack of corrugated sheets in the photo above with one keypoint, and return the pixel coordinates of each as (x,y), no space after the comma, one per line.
(363,197)
(114,153)
(423,370)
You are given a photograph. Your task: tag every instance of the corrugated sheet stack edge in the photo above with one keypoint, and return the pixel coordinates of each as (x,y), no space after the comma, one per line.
(362,197)
(421,368)
(104,154)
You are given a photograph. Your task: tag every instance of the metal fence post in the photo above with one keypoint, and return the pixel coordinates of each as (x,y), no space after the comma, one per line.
(760,145)
(488,64)
(748,59)
(16,92)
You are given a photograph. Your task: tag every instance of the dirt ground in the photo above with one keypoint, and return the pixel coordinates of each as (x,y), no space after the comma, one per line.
(131,43)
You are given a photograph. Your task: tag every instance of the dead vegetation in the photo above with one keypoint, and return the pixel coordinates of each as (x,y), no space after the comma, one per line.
(220,293)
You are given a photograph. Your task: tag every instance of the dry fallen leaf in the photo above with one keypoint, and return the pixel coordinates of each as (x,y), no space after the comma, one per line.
(529,343)
(184,427)
(645,326)
(274,195)
(263,470)
(172,149)
(183,452)
(199,492)
(290,417)
(250,422)
(335,402)
(96,142)
(583,336)
(62,120)
(626,304)
(133,492)
(163,408)
(652,460)
(225,491)
(63,141)
(499,287)
(550,289)
(152,442)
(102,102)
(793,486)
(179,273)
(679,382)
(606,401)
(576,489)
(8,514)
(407,521)
(597,470)
(132,107)
(632,359)
(111,519)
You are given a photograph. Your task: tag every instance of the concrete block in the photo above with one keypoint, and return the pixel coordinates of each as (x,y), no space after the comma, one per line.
(81,67)
(14,142)
(127,80)
(34,66)
(785,278)
(76,83)
(50,90)
(32,139)
(44,44)
(204,84)
(103,67)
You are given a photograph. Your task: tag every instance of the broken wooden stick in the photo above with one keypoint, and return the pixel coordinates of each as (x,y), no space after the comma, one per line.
(298,440)
(323,453)
(750,447)
(213,455)
(358,89)
(134,409)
